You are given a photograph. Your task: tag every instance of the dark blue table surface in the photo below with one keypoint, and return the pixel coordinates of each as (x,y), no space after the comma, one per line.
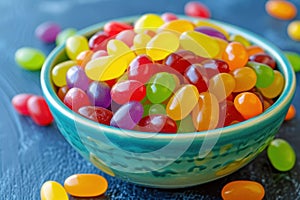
(31,155)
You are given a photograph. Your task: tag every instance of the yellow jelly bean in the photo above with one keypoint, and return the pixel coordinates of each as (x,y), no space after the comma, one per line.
(200,23)
(161,45)
(294,30)
(140,42)
(221,85)
(222,45)
(59,72)
(86,185)
(75,45)
(206,114)
(52,190)
(148,22)
(240,39)
(119,48)
(177,26)
(182,102)
(199,43)
(245,79)
(275,89)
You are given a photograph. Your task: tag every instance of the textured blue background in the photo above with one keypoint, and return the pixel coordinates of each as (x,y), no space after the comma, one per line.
(31,155)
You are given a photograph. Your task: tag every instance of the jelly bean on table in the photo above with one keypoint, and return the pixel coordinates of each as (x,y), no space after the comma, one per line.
(39,111)
(294,59)
(30,58)
(196,9)
(47,31)
(281,9)
(19,103)
(294,30)
(291,113)
(52,190)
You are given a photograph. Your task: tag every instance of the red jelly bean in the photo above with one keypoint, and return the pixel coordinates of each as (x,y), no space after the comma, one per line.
(140,60)
(215,66)
(142,73)
(228,114)
(99,41)
(97,114)
(113,28)
(39,111)
(76,98)
(19,102)
(196,75)
(129,90)
(264,59)
(196,9)
(158,124)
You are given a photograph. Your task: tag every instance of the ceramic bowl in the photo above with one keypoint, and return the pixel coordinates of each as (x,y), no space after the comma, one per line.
(170,160)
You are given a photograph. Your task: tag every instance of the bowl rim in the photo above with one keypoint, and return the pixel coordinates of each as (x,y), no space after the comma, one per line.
(284,99)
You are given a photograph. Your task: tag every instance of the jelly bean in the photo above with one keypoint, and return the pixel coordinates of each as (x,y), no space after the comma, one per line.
(235,55)
(200,44)
(62,91)
(47,31)
(59,72)
(240,39)
(275,89)
(99,94)
(99,41)
(76,44)
(182,102)
(19,103)
(196,75)
(140,42)
(245,79)
(113,28)
(128,90)
(148,22)
(248,104)
(177,26)
(64,35)
(281,9)
(264,59)
(97,114)
(281,155)
(157,124)
(86,185)
(76,78)
(29,58)
(119,48)
(264,73)
(294,30)
(167,17)
(206,113)
(252,50)
(126,36)
(76,98)
(161,45)
(186,125)
(222,45)
(228,114)
(138,61)
(294,59)
(247,190)
(200,23)
(142,73)
(160,87)
(128,115)
(39,111)
(84,57)
(291,113)
(52,190)
(210,32)
(99,54)
(152,109)
(222,85)
(196,9)
(214,66)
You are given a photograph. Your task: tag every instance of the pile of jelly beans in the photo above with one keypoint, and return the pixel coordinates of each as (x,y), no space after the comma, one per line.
(166,76)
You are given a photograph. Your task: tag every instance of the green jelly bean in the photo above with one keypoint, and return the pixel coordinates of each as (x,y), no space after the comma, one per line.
(30,58)
(281,155)
(265,74)
(186,125)
(64,35)
(160,87)
(294,59)
(153,109)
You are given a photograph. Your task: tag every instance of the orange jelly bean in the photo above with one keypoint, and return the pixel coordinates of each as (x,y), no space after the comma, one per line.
(252,50)
(291,113)
(281,9)
(84,57)
(246,190)
(248,104)
(86,185)
(235,55)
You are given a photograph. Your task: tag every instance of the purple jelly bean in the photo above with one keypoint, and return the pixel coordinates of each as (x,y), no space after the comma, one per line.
(99,94)
(128,115)
(76,77)
(211,32)
(47,31)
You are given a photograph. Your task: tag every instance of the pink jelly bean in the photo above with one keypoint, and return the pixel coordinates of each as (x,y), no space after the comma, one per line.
(196,9)
(99,54)
(99,41)
(19,103)
(168,17)
(47,32)
(76,98)
(126,36)
(39,111)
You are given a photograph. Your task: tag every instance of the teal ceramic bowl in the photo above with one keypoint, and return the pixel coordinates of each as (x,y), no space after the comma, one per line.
(170,160)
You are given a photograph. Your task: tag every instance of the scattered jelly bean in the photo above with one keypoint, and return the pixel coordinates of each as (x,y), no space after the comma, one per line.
(196,75)
(235,55)
(240,39)
(264,73)
(214,66)
(281,9)
(275,89)
(59,72)
(47,31)
(75,45)
(196,9)
(157,124)
(167,17)
(62,91)
(186,125)
(248,104)
(39,111)
(291,113)
(29,58)
(242,189)
(200,23)
(140,42)
(252,50)
(245,79)
(148,22)
(128,115)
(281,155)
(76,98)
(86,185)
(177,26)
(264,59)
(64,35)
(294,59)
(113,28)
(99,94)
(52,190)
(19,103)
(126,36)
(97,114)
(76,78)
(294,30)
(221,85)
(99,41)
(211,32)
